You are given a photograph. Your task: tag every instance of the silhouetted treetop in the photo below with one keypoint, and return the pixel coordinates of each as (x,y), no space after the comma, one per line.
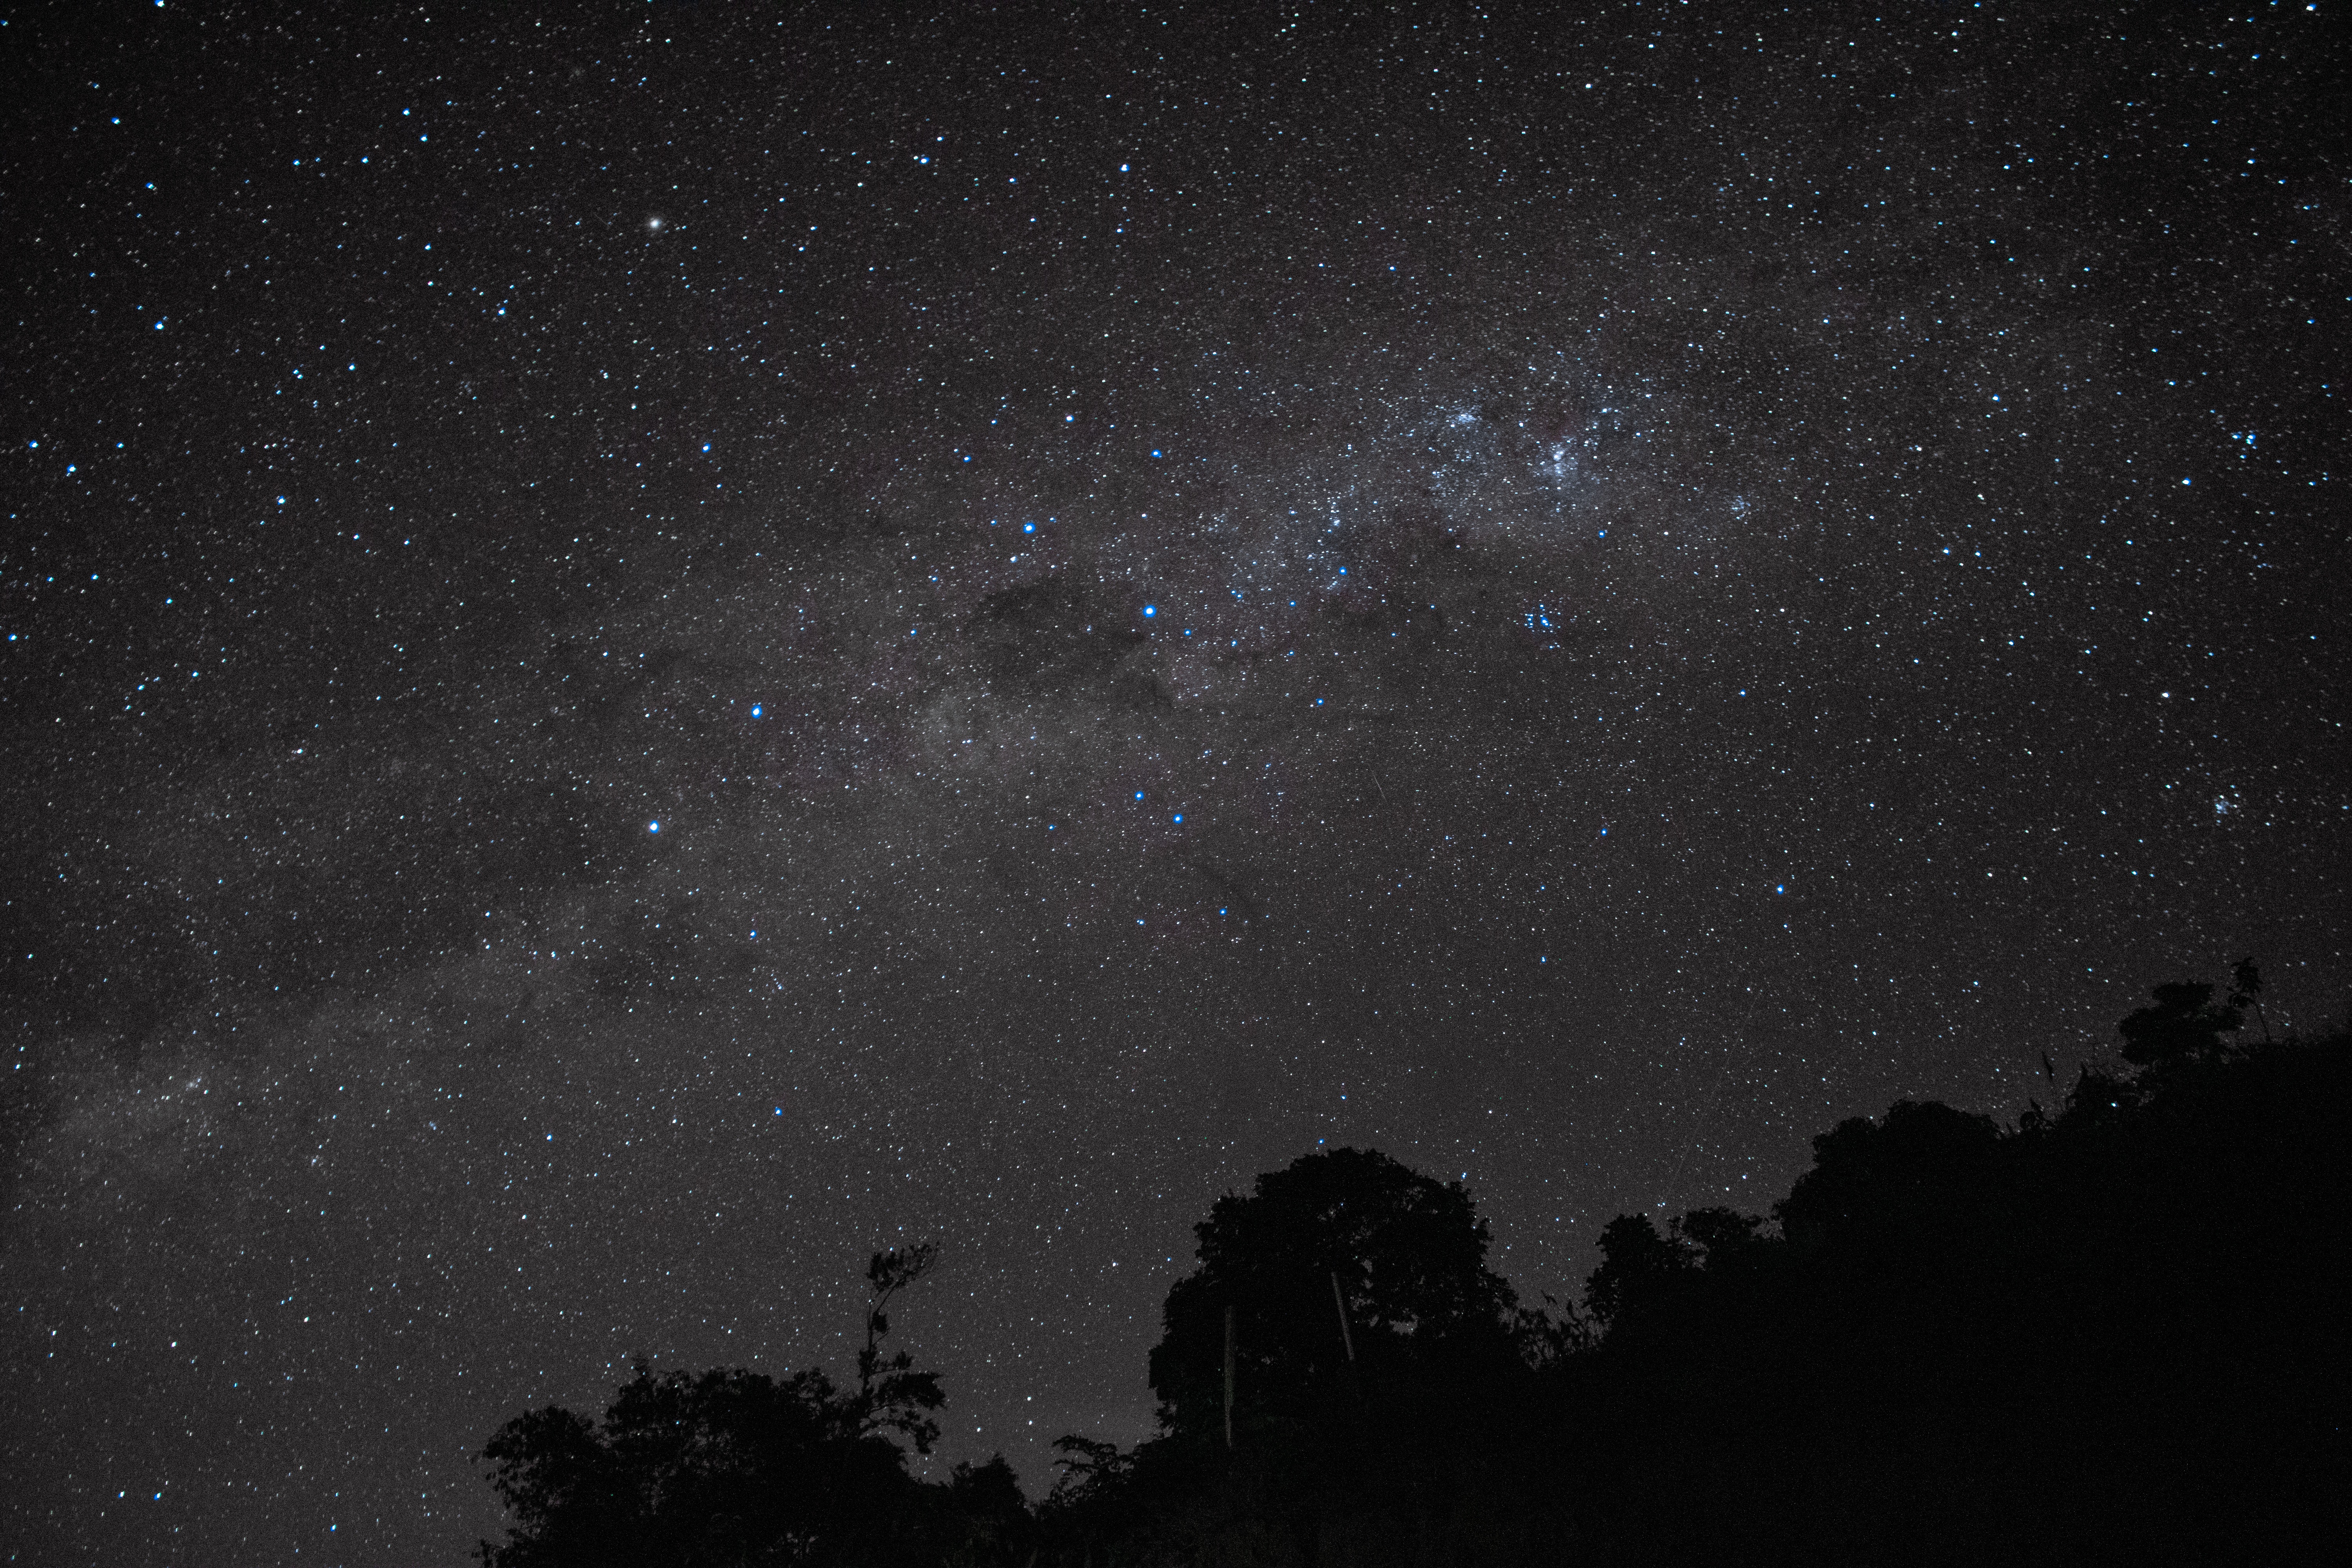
(1088,1465)
(2183,1023)
(2100,1335)
(891,1395)
(690,1469)
(1409,1257)
(1867,1173)
(734,1467)
(1640,1268)
(1720,1235)
(993,1519)
(2246,991)
(2146,1284)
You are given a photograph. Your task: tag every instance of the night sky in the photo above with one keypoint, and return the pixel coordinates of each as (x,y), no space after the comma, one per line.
(648,648)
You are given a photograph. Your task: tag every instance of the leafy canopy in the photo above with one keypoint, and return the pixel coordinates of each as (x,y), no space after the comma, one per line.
(1405,1255)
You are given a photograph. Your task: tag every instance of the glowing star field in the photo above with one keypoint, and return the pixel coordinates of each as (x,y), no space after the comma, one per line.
(652,646)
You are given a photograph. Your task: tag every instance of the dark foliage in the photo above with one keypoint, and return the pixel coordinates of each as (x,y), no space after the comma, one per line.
(733,1468)
(2183,1023)
(726,1467)
(2100,1336)
(892,1396)
(1377,1359)
(1347,1274)
(2103,1335)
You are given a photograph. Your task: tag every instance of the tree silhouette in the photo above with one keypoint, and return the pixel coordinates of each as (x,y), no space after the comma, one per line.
(1636,1265)
(2246,991)
(1720,1237)
(2182,1024)
(734,1467)
(723,1466)
(1088,1466)
(991,1520)
(2141,1287)
(1870,1177)
(1408,1254)
(891,1395)
(1952,1303)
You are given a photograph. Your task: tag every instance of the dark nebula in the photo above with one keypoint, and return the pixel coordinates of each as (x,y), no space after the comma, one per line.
(651,647)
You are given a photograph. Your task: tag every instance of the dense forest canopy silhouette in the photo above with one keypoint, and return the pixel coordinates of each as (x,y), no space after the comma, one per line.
(1345,1265)
(2106,1332)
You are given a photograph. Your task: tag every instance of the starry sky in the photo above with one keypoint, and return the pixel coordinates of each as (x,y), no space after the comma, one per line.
(649,646)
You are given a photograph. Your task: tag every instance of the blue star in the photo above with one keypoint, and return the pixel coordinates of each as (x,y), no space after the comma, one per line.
(653,827)
(1150,611)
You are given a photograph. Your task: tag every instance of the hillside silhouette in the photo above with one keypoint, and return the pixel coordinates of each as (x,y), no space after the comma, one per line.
(2105,1334)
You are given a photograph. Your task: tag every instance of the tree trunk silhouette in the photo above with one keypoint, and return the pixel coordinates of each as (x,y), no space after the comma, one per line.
(1229,1376)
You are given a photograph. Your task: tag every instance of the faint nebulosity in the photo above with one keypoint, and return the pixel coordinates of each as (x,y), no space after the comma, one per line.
(648,648)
